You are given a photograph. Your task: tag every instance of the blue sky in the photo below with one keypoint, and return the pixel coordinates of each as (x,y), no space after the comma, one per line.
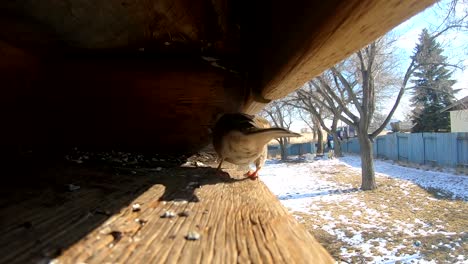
(453,42)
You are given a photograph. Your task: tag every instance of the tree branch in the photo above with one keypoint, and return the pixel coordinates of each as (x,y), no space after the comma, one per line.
(349,90)
(338,101)
(409,71)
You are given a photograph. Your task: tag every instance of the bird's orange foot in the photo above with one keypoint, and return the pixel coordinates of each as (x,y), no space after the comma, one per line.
(252,175)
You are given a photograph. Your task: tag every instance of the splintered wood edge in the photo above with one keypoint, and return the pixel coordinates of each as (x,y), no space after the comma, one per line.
(355,24)
(237,222)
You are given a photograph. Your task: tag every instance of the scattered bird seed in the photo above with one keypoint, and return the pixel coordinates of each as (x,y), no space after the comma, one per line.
(141,221)
(200,164)
(136,207)
(187,164)
(184,214)
(192,236)
(168,214)
(53,261)
(105,231)
(72,187)
(117,235)
(180,201)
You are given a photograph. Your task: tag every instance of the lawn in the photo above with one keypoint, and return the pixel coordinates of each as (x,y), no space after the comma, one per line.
(415,215)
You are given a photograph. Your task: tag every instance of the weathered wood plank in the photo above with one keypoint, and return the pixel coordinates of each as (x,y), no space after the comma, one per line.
(239,221)
(297,56)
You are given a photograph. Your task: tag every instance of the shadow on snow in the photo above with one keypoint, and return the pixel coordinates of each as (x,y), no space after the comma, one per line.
(316,194)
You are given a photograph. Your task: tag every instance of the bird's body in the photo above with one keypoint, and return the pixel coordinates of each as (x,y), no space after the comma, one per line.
(241,139)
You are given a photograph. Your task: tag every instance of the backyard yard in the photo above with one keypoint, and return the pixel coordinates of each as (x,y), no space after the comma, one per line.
(415,216)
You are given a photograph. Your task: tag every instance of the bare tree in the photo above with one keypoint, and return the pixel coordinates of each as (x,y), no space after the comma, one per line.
(365,107)
(280,114)
(350,94)
(315,100)
(313,122)
(365,77)
(376,121)
(453,15)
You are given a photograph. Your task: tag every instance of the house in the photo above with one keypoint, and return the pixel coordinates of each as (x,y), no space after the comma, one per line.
(458,115)
(401,126)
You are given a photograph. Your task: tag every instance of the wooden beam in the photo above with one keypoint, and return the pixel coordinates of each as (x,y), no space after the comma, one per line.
(105,102)
(350,26)
(238,220)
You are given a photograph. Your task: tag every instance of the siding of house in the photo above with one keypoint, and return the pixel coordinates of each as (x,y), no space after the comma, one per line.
(459,120)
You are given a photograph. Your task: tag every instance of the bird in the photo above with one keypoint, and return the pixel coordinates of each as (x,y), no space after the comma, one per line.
(242,139)
(260,161)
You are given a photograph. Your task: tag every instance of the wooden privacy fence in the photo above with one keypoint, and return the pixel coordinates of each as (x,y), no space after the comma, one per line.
(292,149)
(436,149)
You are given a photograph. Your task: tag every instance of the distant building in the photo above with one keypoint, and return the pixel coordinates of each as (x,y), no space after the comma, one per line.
(345,132)
(458,115)
(401,126)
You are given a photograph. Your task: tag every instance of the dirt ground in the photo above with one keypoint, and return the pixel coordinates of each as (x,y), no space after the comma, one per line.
(403,218)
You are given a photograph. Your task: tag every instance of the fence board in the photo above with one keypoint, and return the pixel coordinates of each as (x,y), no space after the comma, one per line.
(462,149)
(436,149)
(402,147)
(430,149)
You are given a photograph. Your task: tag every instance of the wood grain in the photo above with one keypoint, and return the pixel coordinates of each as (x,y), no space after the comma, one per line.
(104,103)
(239,221)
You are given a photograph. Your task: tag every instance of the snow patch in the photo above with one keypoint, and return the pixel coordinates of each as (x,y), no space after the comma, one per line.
(301,187)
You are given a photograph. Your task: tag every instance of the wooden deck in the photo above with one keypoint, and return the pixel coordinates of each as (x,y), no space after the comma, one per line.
(238,220)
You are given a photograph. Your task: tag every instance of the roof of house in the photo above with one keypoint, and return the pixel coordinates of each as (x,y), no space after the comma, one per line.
(461,104)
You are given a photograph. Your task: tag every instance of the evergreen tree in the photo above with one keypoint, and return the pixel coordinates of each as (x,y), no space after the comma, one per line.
(433,88)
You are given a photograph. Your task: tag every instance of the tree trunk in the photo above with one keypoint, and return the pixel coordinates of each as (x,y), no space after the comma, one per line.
(337,146)
(284,152)
(319,141)
(367,162)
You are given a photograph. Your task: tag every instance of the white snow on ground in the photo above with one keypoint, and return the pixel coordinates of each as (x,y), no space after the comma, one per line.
(308,185)
(446,183)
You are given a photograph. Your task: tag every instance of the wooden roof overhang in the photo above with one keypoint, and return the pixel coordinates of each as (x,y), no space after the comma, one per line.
(154,74)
